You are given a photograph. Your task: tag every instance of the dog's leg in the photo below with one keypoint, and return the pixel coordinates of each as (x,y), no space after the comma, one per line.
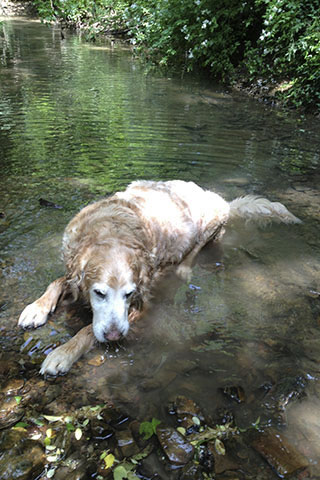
(212,232)
(36,313)
(184,270)
(61,359)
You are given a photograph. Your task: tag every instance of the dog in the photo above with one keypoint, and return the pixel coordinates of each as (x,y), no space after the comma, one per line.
(115,250)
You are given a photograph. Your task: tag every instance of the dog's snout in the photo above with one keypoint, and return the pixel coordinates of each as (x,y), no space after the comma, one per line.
(112,335)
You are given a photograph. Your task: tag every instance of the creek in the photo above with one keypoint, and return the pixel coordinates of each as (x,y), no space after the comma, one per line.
(81,120)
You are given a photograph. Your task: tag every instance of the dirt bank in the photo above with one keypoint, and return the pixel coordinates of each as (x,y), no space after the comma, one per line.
(9,8)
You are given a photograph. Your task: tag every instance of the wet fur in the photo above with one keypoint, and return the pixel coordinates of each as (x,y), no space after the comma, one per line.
(115,251)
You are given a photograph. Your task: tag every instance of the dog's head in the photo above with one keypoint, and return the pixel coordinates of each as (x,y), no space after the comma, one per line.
(109,280)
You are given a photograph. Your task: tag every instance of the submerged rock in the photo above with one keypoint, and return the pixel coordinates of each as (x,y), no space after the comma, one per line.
(188,413)
(281,456)
(20,459)
(174,445)
(235,393)
(10,412)
(191,472)
(126,443)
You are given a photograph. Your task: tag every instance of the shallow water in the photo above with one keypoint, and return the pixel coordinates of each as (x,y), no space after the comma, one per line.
(81,120)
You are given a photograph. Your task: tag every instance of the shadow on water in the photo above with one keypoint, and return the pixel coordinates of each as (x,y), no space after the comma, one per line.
(79,121)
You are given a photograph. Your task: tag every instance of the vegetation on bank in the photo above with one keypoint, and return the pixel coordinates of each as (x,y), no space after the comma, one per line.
(266,42)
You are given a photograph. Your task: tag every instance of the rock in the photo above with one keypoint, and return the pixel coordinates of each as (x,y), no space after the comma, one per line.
(234,393)
(13,387)
(100,430)
(161,380)
(73,468)
(174,445)
(21,459)
(224,416)
(191,472)
(187,411)
(10,412)
(126,443)
(281,456)
(222,463)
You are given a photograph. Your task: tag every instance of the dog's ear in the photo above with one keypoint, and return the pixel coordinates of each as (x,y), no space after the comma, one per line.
(75,282)
(77,274)
(136,301)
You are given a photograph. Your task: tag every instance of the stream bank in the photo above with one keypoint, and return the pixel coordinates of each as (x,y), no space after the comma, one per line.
(10,8)
(231,359)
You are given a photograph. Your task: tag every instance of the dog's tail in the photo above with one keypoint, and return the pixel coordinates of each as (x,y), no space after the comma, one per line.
(260,210)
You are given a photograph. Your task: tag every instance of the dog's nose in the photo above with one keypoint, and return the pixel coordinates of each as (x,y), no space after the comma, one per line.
(112,335)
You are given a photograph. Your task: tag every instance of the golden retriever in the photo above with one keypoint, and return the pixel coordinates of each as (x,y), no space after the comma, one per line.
(116,249)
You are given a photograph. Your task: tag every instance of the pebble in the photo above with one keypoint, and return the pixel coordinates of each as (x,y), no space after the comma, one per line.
(174,445)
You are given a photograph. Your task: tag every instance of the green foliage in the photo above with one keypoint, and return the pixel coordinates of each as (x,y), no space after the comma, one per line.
(289,48)
(195,33)
(271,39)
(149,428)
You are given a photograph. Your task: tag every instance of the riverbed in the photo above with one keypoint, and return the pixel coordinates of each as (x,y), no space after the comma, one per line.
(79,121)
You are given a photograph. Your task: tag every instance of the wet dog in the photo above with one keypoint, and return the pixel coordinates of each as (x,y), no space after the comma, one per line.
(116,249)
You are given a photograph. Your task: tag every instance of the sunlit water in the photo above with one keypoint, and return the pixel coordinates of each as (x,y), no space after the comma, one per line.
(81,120)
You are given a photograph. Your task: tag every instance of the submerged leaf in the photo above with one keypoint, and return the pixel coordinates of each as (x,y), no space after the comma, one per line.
(70,427)
(21,425)
(149,428)
(50,473)
(196,421)
(146,430)
(109,460)
(145,452)
(78,433)
(219,446)
(120,473)
(52,418)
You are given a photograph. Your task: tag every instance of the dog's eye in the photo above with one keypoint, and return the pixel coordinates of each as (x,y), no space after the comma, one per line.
(99,293)
(128,295)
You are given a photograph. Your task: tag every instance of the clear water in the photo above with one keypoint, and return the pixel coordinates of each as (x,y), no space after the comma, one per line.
(80,120)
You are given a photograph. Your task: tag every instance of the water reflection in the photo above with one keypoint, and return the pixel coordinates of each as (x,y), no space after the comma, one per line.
(79,121)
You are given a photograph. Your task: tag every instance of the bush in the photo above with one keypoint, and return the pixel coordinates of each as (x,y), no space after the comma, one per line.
(195,33)
(289,49)
(271,39)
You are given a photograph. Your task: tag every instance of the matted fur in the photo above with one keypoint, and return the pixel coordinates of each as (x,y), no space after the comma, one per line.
(116,249)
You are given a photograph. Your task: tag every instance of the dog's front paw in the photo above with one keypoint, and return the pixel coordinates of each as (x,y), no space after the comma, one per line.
(58,361)
(33,316)
(184,272)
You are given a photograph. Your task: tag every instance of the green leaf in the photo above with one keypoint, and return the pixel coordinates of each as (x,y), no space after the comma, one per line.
(146,429)
(155,422)
(21,425)
(47,441)
(18,399)
(149,428)
(145,452)
(119,473)
(38,422)
(70,427)
(103,454)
